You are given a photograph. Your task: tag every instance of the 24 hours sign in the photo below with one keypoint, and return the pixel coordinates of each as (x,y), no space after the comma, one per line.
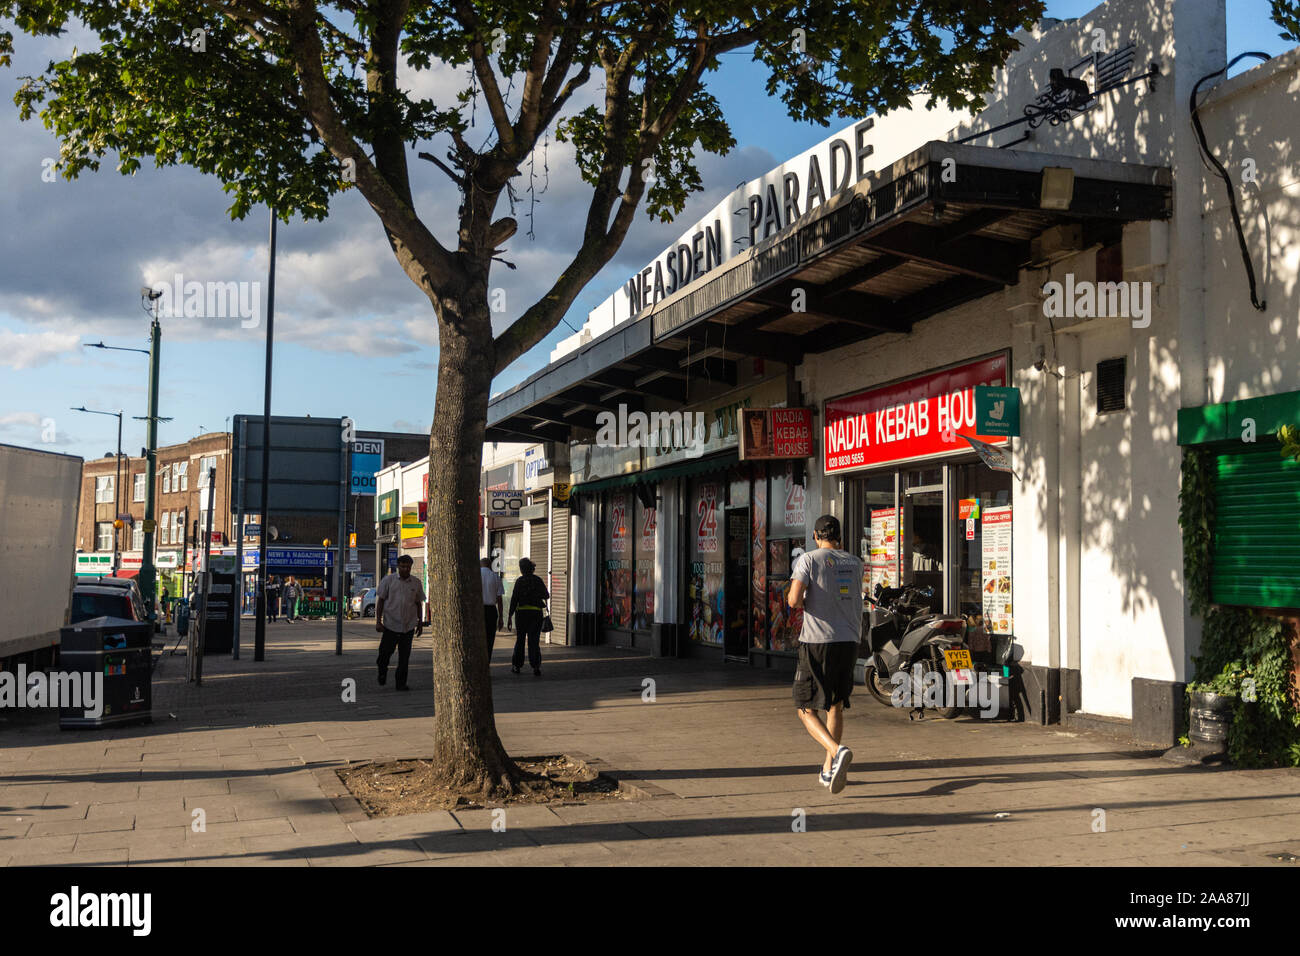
(915,418)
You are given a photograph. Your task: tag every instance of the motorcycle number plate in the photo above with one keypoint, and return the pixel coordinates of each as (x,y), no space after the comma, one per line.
(958,659)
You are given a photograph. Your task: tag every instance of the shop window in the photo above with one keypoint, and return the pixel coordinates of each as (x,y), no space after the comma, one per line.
(786,540)
(706,595)
(982,530)
(872,529)
(1111,374)
(618,587)
(644,551)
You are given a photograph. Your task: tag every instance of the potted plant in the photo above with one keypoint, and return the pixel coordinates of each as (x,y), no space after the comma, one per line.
(1213,705)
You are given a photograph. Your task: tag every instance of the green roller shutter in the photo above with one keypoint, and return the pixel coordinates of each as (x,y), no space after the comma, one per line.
(1257,528)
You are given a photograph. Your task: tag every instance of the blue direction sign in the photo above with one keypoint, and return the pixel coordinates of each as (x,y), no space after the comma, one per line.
(367,458)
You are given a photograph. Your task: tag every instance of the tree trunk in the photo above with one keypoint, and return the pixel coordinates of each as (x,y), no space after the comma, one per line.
(467,749)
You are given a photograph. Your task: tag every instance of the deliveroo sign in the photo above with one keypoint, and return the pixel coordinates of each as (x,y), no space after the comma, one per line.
(997,411)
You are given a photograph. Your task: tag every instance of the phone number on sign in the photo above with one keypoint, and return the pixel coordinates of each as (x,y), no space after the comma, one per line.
(842,461)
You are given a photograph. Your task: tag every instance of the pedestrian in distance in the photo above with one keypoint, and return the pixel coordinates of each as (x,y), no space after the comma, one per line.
(272,598)
(492,594)
(527,603)
(398,617)
(827,583)
(292,592)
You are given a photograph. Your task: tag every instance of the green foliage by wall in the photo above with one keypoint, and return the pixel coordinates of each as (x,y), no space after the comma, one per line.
(1244,653)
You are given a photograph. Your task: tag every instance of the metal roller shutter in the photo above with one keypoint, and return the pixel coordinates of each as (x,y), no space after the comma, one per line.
(1256,528)
(560,576)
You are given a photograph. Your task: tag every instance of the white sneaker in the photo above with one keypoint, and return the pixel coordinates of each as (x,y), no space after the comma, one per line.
(824,778)
(840,769)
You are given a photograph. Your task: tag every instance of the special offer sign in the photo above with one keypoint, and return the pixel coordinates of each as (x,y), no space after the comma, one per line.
(912,419)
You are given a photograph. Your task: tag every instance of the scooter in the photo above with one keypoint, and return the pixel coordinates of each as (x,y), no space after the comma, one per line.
(901,632)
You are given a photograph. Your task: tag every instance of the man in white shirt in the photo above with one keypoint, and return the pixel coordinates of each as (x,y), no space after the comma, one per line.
(492,595)
(399,617)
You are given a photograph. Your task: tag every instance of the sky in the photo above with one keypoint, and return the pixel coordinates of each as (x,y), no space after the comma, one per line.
(353,336)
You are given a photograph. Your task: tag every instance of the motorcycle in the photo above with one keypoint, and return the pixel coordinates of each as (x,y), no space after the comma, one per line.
(900,632)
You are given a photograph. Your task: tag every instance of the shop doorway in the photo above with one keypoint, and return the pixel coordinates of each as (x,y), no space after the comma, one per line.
(736,587)
(924,531)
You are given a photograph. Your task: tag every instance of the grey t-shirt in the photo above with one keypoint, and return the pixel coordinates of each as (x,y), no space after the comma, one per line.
(832,604)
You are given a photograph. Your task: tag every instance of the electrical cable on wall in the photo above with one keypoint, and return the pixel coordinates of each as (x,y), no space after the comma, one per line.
(1223,173)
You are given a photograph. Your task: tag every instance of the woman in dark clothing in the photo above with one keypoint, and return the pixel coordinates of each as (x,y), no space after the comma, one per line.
(527,605)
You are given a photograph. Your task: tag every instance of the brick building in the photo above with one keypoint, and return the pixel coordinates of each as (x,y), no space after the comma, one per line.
(180,500)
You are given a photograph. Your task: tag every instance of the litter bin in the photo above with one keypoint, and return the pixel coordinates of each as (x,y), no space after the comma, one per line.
(115,654)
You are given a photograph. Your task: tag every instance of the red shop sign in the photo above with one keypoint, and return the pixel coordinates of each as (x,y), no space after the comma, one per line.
(913,419)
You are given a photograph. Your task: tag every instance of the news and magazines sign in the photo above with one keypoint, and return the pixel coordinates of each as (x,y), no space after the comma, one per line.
(923,416)
(771,433)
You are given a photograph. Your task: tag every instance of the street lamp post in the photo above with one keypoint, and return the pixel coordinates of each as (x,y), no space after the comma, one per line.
(117,480)
(147,577)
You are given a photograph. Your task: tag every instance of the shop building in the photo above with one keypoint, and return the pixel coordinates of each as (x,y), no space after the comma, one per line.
(1068,243)
(180,509)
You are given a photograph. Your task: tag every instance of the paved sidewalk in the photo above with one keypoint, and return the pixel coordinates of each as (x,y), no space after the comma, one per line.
(728,770)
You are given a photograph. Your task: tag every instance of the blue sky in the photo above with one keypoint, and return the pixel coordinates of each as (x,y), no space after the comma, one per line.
(353,336)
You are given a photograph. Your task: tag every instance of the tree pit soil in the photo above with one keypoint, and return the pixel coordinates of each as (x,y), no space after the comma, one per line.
(408,786)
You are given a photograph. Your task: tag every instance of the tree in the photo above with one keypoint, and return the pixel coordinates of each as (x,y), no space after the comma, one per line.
(290,101)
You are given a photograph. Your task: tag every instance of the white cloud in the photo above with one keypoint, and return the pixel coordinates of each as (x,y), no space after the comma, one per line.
(20,350)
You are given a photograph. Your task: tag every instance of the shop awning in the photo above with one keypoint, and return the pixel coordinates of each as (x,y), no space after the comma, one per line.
(702,466)
(904,244)
(1223,422)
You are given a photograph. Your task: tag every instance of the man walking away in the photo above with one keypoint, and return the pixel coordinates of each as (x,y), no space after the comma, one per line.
(527,601)
(291,592)
(491,602)
(827,584)
(398,618)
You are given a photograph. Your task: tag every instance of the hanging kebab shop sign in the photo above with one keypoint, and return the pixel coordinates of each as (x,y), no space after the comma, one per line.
(915,418)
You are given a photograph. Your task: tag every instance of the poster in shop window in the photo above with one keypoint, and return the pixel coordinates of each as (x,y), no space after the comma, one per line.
(882,562)
(996,578)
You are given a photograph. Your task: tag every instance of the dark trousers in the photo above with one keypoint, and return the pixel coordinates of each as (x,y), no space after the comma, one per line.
(490,626)
(528,624)
(402,643)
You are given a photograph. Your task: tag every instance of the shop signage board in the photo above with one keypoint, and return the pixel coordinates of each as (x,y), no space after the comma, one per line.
(291,557)
(776,433)
(504,504)
(996,572)
(561,492)
(94,564)
(352,567)
(367,458)
(997,410)
(386,506)
(412,526)
(920,417)
(534,464)
(167,559)
(252,530)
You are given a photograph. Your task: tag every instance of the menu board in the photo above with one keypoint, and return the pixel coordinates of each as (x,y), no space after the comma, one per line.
(996,578)
(882,561)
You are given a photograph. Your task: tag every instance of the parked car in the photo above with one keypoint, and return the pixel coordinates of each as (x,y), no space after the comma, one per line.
(107,597)
(364,603)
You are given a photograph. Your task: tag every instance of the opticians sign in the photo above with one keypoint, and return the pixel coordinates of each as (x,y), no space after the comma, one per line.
(923,416)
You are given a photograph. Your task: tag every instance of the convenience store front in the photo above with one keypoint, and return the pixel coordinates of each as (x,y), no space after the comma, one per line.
(919,505)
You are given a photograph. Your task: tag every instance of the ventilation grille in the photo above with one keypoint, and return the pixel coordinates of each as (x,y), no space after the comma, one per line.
(1110,385)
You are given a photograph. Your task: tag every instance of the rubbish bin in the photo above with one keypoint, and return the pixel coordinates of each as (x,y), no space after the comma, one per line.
(118,652)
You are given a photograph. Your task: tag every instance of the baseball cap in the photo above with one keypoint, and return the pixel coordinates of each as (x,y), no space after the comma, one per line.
(827,528)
